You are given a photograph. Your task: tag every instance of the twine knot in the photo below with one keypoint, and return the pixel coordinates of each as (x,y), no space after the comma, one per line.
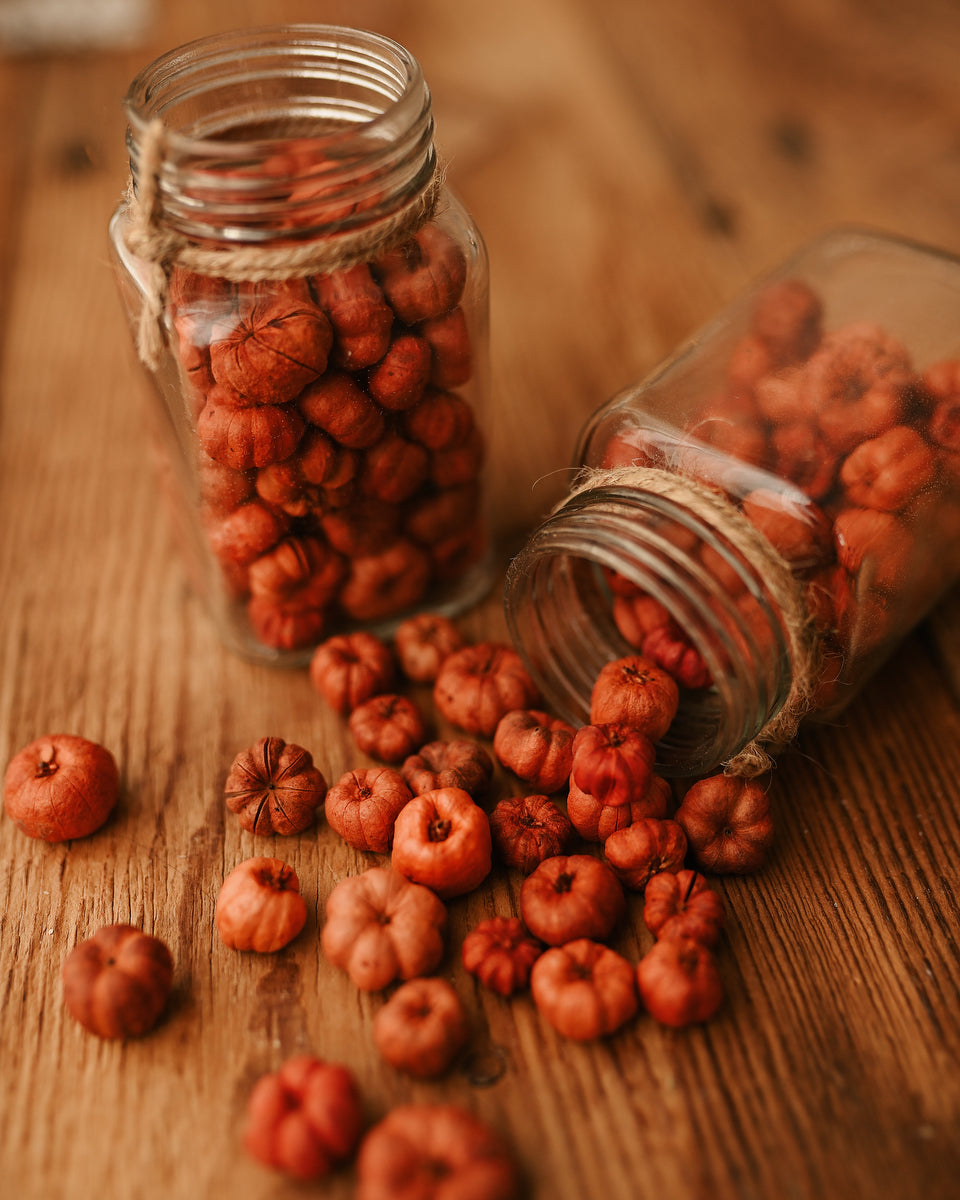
(161,249)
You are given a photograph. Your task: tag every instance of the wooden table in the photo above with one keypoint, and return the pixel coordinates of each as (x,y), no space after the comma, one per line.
(632,165)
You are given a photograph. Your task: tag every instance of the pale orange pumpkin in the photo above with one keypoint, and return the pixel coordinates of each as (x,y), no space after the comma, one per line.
(442,839)
(536,747)
(382,927)
(584,990)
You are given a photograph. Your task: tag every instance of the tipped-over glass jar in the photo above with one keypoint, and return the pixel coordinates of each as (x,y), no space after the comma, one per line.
(311,304)
(769,512)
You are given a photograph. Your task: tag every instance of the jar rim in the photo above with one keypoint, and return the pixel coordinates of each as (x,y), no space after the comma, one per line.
(282,133)
(142,102)
(607,529)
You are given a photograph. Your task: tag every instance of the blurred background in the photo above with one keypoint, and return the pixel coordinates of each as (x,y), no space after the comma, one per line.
(631,164)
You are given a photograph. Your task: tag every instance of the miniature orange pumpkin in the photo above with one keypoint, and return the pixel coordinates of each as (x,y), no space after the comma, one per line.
(442,839)
(382,927)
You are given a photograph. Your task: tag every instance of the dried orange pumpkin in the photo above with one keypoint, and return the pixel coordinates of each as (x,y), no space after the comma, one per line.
(645,848)
(304,1118)
(595,822)
(480,684)
(585,990)
(728,824)
(679,982)
(614,763)
(571,896)
(363,805)
(273,348)
(633,691)
(421,1028)
(681,905)
(500,952)
(458,763)
(528,829)
(348,668)
(442,839)
(536,747)
(274,787)
(434,1152)
(382,927)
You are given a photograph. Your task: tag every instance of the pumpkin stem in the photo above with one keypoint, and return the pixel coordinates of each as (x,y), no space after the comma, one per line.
(48,763)
(277,878)
(438,830)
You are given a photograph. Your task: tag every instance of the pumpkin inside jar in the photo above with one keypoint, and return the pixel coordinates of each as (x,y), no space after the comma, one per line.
(333,358)
(727,488)
(846,470)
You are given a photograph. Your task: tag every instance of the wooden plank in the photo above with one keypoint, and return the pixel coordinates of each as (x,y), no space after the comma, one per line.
(630,166)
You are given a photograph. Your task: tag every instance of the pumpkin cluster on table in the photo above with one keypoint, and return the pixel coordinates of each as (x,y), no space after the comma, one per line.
(334,428)
(427,805)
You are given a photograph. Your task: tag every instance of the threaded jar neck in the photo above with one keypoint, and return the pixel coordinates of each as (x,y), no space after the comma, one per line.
(559,612)
(282,133)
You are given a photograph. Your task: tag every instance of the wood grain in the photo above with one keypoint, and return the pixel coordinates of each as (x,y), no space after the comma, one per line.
(632,165)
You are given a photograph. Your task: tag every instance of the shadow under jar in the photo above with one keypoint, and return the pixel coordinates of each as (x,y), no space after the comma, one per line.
(769,513)
(311,304)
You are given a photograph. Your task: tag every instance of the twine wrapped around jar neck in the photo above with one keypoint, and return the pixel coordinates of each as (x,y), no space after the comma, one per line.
(784,589)
(161,248)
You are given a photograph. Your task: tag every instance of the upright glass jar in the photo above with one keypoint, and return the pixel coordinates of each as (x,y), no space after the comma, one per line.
(769,512)
(311,304)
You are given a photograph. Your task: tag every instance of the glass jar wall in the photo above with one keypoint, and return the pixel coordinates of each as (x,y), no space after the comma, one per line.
(311,304)
(770,512)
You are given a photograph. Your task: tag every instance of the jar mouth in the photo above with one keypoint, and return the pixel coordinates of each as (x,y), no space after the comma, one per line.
(246,66)
(304,128)
(559,613)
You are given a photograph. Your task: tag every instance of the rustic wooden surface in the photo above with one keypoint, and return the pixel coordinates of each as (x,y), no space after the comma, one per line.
(632,165)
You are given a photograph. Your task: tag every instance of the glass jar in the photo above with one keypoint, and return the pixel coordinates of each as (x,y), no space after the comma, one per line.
(310,302)
(769,512)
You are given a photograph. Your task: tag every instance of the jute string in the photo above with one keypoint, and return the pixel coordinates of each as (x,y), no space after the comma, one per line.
(161,249)
(771,568)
